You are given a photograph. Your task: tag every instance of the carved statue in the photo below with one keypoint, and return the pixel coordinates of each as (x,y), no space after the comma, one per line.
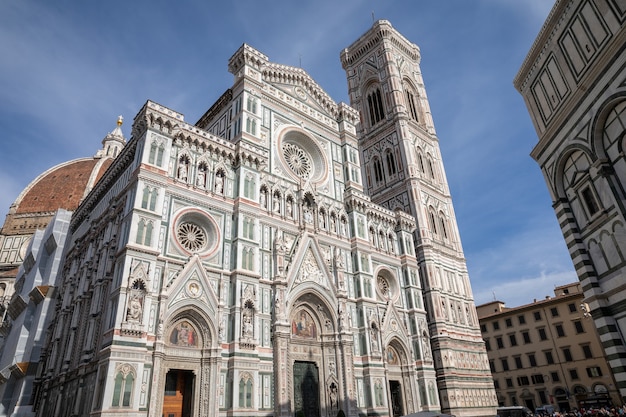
(134,309)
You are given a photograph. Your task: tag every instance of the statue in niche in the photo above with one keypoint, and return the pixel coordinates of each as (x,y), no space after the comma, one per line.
(276,203)
(374,339)
(263,198)
(308,216)
(134,308)
(182,170)
(332,395)
(277,302)
(289,208)
(200,178)
(219,183)
(339,264)
(247,327)
(426,345)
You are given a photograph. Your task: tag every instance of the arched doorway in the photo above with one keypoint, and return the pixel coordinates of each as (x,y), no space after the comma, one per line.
(315,367)
(562,399)
(184,367)
(397,380)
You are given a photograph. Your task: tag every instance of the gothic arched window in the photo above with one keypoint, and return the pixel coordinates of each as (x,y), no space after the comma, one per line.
(375,106)
(123,389)
(245,391)
(391,162)
(378,170)
(442,225)
(410,100)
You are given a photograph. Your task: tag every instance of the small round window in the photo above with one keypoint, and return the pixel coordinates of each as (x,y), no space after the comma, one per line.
(196,232)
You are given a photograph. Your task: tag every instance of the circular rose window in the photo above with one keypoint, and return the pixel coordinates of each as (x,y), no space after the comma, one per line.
(302,155)
(297,160)
(196,232)
(191,236)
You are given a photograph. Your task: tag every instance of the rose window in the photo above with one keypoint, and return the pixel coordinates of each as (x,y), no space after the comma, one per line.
(383,285)
(297,159)
(191,236)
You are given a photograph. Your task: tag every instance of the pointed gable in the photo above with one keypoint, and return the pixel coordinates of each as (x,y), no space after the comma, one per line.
(192,286)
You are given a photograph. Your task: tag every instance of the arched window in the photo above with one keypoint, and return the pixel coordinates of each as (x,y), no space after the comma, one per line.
(123,389)
(144,232)
(247,259)
(378,170)
(251,126)
(245,391)
(141,230)
(152,154)
(576,178)
(433,223)
(251,105)
(148,239)
(159,158)
(431,171)
(391,162)
(375,106)
(420,161)
(149,197)
(248,227)
(153,198)
(442,225)
(145,198)
(410,101)
(249,186)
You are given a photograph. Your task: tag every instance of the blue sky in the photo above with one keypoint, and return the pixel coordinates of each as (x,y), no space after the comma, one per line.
(69,68)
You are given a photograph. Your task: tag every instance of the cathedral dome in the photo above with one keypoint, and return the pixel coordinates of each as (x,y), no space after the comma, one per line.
(62,186)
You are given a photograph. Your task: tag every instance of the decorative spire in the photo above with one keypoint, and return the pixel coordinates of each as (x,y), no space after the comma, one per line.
(113,142)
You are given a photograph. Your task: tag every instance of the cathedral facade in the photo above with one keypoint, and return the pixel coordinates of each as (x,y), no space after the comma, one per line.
(284,255)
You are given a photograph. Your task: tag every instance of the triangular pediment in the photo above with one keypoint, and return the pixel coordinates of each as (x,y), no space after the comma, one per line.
(302,90)
(192,286)
(392,322)
(310,267)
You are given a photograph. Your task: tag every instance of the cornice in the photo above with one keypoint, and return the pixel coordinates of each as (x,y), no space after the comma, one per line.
(380,32)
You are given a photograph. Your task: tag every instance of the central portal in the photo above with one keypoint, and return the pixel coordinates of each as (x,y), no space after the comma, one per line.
(306,389)
(178,393)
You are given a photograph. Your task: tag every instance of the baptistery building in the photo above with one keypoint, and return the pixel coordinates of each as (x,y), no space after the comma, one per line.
(284,255)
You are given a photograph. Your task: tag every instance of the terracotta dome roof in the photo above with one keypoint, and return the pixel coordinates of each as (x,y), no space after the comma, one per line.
(62,186)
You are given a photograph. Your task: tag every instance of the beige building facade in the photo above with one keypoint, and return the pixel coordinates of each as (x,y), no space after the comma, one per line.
(547,352)
(573,83)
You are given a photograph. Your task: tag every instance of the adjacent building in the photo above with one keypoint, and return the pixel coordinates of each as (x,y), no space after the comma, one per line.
(547,352)
(284,255)
(573,84)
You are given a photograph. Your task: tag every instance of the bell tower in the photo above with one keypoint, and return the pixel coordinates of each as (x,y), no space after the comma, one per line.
(403,170)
